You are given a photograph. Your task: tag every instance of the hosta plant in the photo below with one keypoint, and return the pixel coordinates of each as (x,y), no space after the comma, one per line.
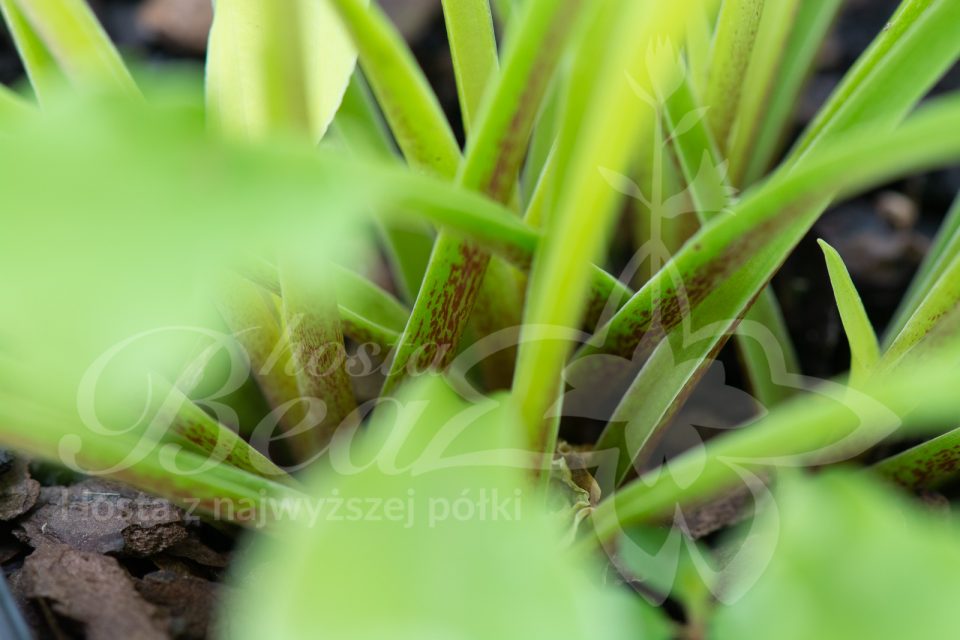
(292,301)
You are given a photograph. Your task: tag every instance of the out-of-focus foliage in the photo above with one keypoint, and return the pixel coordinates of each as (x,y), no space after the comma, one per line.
(853,560)
(125,200)
(437,527)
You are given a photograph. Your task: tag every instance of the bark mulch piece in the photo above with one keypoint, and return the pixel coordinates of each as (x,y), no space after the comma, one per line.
(196,551)
(18,491)
(104,517)
(92,590)
(186,600)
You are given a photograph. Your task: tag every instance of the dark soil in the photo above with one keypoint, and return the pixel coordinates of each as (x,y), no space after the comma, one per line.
(149,571)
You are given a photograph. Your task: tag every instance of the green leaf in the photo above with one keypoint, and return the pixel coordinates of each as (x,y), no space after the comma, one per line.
(505,10)
(493,158)
(71,34)
(359,298)
(927,466)
(810,28)
(191,427)
(712,195)
(852,559)
(360,124)
(359,121)
(12,108)
(425,137)
(183,477)
(918,45)
(367,312)
(600,131)
(700,28)
(695,300)
(432,570)
(253,316)
(676,366)
(761,76)
(864,348)
(409,105)
(312,320)
(708,285)
(832,424)
(473,48)
(276,65)
(730,259)
(945,247)
(541,144)
(733,47)
(42,70)
(935,321)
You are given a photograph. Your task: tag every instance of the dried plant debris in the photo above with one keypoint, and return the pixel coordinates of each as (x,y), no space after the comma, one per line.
(18,491)
(187,600)
(92,590)
(104,517)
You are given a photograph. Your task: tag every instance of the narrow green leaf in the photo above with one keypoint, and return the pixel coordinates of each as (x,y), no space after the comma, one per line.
(758,82)
(476,65)
(740,251)
(918,45)
(367,312)
(505,10)
(677,364)
(810,28)
(934,322)
(409,105)
(360,124)
(864,348)
(700,28)
(170,471)
(578,229)
(473,48)
(712,194)
(311,316)
(491,166)
(42,70)
(926,466)
(730,58)
(253,315)
(591,54)
(831,425)
(191,427)
(359,296)
(423,134)
(544,137)
(714,296)
(928,42)
(73,36)
(695,301)
(945,247)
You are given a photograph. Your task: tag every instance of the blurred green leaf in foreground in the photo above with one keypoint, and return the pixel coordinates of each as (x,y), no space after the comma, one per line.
(853,560)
